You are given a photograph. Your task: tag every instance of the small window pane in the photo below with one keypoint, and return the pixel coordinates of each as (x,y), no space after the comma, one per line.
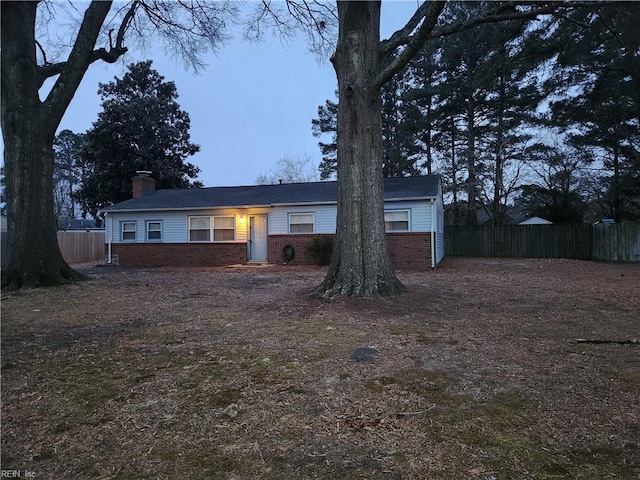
(128,231)
(199,223)
(223,222)
(224,229)
(301,218)
(223,235)
(199,235)
(301,223)
(396,221)
(154,231)
(200,229)
(301,228)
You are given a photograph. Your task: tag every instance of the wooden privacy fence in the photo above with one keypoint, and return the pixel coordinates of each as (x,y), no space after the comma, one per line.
(615,243)
(82,246)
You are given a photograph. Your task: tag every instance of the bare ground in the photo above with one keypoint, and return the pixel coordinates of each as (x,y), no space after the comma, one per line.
(237,373)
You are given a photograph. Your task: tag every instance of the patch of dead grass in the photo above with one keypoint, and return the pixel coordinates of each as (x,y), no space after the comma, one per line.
(240,374)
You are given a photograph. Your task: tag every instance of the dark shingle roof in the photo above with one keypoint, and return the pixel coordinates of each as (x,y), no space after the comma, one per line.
(268,195)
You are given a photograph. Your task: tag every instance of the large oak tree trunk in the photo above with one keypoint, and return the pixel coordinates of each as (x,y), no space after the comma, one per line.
(28,129)
(360,264)
(34,258)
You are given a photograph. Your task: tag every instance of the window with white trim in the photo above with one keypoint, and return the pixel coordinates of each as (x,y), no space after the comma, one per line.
(224,229)
(396,220)
(154,231)
(128,231)
(301,223)
(199,229)
(212,229)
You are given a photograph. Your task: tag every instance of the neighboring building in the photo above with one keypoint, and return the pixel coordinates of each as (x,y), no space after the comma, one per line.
(220,226)
(79,224)
(535,221)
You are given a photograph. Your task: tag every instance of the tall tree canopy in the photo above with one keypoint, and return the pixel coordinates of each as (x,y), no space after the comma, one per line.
(596,95)
(141,127)
(461,105)
(360,263)
(29,124)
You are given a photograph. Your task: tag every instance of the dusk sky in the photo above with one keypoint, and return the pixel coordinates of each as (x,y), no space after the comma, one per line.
(251,106)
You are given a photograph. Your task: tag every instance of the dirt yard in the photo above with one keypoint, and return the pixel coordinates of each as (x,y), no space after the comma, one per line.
(237,373)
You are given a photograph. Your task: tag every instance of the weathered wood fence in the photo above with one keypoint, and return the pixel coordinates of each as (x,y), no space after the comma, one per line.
(615,243)
(82,246)
(76,246)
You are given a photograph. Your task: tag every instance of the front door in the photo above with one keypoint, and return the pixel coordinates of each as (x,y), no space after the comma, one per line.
(258,238)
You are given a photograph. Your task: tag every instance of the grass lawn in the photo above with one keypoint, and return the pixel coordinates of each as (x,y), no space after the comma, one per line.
(237,373)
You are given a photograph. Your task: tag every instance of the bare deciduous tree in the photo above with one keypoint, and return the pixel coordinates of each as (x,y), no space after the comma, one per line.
(290,169)
(29,124)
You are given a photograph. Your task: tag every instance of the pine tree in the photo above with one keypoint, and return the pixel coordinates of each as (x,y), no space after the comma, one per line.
(326,123)
(596,97)
(141,127)
(67,173)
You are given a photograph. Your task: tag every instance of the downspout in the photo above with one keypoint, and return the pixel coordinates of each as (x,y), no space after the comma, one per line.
(106,225)
(433,236)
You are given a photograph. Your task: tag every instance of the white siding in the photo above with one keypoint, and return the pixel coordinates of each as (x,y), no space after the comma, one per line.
(175,228)
(324,218)
(174,224)
(419,214)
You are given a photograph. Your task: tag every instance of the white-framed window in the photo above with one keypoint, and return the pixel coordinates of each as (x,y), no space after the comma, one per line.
(396,221)
(224,229)
(128,231)
(154,231)
(199,229)
(212,229)
(301,223)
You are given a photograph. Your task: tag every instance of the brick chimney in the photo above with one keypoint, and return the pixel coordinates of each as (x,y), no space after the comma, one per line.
(143,183)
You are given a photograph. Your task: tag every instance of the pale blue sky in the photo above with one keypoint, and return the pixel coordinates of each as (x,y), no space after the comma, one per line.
(251,106)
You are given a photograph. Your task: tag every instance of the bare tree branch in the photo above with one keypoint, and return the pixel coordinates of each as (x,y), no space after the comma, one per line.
(315,19)
(413,43)
(42,52)
(109,56)
(402,36)
(547,9)
(428,29)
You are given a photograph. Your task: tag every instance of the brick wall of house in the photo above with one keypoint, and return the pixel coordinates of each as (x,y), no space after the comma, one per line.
(406,250)
(410,250)
(300,244)
(180,254)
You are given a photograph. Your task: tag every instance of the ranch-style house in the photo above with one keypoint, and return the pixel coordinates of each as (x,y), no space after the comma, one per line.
(220,226)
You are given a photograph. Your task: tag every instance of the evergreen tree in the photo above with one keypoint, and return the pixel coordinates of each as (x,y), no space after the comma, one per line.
(326,123)
(397,139)
(596,97)
(141,127)
(67,173)
(397,148)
